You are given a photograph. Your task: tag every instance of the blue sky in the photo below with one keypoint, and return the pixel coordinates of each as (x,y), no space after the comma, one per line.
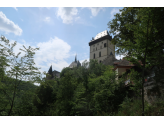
(59,32)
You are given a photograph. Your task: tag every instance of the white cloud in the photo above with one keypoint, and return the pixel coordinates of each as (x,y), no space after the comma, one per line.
(114,11)
(15,8)
(119,57)
(47,19)
(54,51)
(95,10)
(77,18)
(67,14)
(8,26)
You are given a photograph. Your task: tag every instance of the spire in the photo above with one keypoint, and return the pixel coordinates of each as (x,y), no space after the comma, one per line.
(76,58)
(50,70)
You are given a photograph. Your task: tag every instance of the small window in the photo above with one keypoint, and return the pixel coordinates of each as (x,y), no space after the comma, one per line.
(99,54)
(105,45)
(100,61)
(94,56)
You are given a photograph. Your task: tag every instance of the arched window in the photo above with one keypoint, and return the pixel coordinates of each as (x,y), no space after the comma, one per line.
(94,55)
(99,54)
(104,44)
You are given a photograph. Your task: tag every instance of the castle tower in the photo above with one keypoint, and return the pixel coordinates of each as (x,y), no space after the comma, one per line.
(52,74)
(101,46)
(76,63)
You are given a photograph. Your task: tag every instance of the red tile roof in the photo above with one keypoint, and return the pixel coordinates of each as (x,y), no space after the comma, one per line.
(123,62)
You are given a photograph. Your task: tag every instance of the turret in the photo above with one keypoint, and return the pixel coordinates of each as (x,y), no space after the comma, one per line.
(50,70)
(50,74)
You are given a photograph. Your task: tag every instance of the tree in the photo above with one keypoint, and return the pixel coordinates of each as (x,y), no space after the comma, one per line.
(45,96)
(140,39)
(106,92)
(67,85)
(119,30)
(17,70)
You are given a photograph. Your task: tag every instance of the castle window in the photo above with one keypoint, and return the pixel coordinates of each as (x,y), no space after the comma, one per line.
(99,54)
(100,61)
(105,45)
(94,56)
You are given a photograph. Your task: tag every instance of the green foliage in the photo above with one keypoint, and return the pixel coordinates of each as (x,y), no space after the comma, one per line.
(133,107)
(139,37)
(91,89)
(45,96)
(64,71)
(65,93)
(12,78)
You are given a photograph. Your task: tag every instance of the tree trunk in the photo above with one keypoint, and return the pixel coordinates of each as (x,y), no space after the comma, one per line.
(12,104)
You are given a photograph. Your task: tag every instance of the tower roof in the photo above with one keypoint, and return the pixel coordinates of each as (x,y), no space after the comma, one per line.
(100,36)
(75,63)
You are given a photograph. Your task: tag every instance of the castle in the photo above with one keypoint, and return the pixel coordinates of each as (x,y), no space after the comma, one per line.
(101,49)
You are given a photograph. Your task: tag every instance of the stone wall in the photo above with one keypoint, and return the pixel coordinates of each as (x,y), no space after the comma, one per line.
(109,60)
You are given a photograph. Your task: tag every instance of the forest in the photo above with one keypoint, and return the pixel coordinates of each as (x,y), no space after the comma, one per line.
(91,89)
